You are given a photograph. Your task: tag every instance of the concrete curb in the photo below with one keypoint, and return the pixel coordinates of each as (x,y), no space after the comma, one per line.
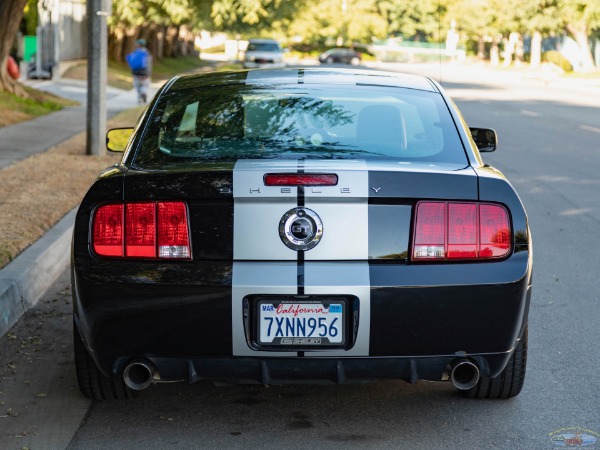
(28,276)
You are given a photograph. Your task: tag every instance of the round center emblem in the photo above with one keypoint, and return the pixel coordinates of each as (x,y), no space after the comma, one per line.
(300,229)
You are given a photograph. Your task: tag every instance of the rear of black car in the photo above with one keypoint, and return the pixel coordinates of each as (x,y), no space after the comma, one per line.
(280,228)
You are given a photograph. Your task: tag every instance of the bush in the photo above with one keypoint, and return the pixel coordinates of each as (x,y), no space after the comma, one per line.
(557,58)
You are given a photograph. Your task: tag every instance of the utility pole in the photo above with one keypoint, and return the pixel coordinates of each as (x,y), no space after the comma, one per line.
(97,12)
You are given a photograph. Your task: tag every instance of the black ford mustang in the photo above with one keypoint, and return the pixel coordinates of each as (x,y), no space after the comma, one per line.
(301,225)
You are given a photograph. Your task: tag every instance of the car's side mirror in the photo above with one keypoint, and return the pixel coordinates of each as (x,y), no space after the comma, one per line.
(117,138)
(485,139)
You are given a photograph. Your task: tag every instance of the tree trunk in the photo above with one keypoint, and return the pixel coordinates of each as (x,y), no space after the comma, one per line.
(115,43)
(494,52)
(509,48)
(536,50)
(176,42)
(160,50)
(519,50)
(480,47)
(171,42)
(579,32)
(11,13)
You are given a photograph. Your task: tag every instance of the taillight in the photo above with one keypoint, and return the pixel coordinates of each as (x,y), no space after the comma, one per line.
(108,230)
(173,240)
(142,230)
(460,230)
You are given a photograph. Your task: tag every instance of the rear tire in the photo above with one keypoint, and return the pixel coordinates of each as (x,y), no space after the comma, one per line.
(92,383)
(509,382)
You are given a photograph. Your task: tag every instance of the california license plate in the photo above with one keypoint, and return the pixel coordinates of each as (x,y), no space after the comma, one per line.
(291,323)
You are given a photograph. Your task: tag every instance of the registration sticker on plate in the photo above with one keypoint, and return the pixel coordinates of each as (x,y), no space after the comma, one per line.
(301,323)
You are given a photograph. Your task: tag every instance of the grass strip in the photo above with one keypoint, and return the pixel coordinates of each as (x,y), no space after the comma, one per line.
(15,109)
(37,192)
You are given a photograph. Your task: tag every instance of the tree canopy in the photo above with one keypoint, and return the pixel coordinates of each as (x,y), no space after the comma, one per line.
(169,25)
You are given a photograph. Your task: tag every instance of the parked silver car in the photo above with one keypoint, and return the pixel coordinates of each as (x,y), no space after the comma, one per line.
(263,53)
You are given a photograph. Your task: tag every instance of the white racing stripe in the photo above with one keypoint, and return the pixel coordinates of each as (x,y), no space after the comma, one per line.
(343,209)
(258,278)
(258,209)
(348,278)
(263,264)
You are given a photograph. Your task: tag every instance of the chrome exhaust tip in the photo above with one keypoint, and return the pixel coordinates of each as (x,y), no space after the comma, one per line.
(463,374)
(139,374)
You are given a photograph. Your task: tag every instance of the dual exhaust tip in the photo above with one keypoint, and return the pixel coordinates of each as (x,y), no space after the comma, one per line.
(464,374)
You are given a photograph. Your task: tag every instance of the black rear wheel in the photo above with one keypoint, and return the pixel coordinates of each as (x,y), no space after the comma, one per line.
(509,382)
(92,383)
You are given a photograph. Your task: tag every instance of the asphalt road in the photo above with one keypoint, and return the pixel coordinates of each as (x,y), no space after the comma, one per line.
(549,149)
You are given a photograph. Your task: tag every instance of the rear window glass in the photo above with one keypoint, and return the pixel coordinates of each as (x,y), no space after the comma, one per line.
(234,122)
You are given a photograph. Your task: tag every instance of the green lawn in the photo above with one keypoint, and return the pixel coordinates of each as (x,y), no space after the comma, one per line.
(15,109)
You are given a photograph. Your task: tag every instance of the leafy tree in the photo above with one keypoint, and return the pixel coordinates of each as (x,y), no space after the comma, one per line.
(250,18)
(580,18)
(421,20)
(346,21)
(30,17)
(479,22)
(541,18)
(161,22)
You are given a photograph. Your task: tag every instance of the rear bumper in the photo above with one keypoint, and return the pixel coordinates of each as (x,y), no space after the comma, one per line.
(311,370)
(184,317)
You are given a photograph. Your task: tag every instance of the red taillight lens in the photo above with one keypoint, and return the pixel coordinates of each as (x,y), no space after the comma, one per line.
(300,179)
(431,231)
(173,239)
(494,231)
(462,231)
(453,231)
(142,230)
(108,230)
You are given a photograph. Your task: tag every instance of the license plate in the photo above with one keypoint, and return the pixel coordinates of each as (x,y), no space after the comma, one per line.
(293,323)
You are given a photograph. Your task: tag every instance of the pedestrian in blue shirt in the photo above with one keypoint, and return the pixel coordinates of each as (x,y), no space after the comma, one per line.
(140,63)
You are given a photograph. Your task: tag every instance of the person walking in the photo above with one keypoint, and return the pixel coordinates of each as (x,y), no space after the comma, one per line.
(140,63)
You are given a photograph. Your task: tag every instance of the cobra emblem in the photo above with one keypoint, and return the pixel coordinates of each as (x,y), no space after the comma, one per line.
(300,229)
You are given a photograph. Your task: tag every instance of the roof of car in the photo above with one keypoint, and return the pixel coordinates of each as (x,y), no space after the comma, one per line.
(291,76)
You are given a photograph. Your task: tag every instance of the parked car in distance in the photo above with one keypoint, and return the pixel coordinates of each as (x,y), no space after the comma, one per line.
(299,226)
(263,53)
(340,55)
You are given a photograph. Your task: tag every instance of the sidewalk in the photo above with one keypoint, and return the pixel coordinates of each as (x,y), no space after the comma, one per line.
(485,74)
(24,139)
(26,278)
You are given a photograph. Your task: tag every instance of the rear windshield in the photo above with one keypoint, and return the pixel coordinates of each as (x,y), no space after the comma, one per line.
(232,122)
